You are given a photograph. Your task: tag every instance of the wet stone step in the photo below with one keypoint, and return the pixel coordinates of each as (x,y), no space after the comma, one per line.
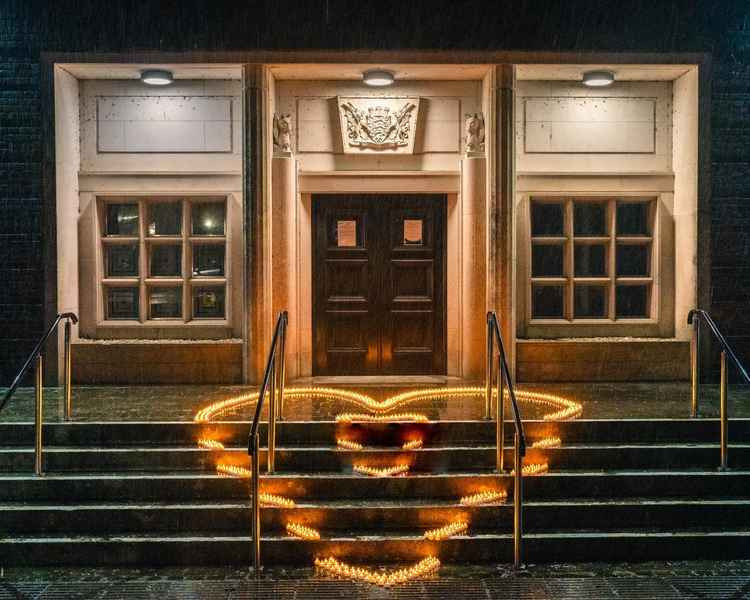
(234,550)
(325,432)
(316,459)
(205,486)
(407,513)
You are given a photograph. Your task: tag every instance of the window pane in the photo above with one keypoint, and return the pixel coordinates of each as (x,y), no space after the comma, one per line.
(165,303)
(590,260)
(208,303)
(546,301)
(633,218)
(122,219)
(208,260)
(547,260)
(346,233)
(208,218)
(590,302)
(546,219)
(632,301)
(165,218)
(122,303)
(589,219)
(413,234)
(633,260)
(166,261)
(122,260)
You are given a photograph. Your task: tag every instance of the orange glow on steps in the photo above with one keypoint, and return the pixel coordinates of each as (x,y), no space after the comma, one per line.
(302,532)
(381,471)
(395,418)
(484,497)
(276,501)
(348,444)
(210,444)
(412,445)
(533,469)
(548,442)
(335,568)
(233,471)
(447,531)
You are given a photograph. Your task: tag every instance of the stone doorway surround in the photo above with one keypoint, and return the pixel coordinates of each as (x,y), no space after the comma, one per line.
(295,166)
(466,271)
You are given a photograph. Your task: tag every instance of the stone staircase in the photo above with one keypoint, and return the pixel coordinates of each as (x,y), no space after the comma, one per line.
(148,494)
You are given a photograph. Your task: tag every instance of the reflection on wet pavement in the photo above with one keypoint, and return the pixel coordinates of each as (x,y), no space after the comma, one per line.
(180,403)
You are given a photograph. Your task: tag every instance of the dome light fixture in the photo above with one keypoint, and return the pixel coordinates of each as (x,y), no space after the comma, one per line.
(598,78)
(156,77)
(377,77)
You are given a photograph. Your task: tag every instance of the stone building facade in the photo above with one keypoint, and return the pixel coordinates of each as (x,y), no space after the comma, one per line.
(531,219)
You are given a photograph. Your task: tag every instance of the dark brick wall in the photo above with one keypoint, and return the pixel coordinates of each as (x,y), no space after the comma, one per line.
(28,27)
(21,287)
(730,201)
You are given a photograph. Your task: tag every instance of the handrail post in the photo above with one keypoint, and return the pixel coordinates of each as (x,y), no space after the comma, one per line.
(272,419)
(38,416)
(255,503)
(695,366)
(68,405)
(500,425)
(488,372)
(282,367)
(517,502)
(724,413)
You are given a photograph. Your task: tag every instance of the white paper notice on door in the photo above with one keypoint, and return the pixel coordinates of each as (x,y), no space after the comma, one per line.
(346,234)
(412,231)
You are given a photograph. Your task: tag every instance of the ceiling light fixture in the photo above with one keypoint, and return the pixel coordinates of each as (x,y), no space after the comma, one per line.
(377,77)
(156,77)
(598,78)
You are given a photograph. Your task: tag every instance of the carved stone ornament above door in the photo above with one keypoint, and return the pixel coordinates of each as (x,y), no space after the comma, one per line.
(378,125)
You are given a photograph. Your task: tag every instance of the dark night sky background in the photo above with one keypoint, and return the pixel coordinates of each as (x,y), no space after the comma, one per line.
(643,25)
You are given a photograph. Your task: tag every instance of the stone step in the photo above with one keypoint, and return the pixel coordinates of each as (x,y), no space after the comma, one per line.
(329,458)
(651,514)
(187,486)
(134,433)
(477,547)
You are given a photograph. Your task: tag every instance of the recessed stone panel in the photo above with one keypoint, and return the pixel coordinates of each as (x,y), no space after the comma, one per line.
(590,125)
(164,124)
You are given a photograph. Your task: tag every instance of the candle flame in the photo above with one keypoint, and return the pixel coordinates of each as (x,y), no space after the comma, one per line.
(302,532)
(276,501)
(348,444)
(381,471)
(447,531)
(484,497)
(331,566)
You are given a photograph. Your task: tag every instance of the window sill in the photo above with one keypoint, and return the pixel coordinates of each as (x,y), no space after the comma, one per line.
(164,331)
(595,328)
(114,341)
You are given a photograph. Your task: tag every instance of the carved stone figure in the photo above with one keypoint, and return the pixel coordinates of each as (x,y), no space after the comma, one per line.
(282,133)
(379,127)
(474,128)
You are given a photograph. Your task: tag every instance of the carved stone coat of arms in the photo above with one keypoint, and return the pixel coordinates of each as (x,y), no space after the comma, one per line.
(378,125)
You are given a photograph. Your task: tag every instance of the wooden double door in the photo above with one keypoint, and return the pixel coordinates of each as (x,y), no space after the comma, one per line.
(379,284)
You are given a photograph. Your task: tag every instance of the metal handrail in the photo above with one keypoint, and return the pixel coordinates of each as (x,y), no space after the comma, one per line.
(275,379)
(69,316)
(519,439)
(36,358)
(695,317)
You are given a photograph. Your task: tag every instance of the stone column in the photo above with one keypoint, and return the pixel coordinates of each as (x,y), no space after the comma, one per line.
(474,267)
(284,249)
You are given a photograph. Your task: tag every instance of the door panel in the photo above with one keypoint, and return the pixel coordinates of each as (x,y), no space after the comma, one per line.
(379,284)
